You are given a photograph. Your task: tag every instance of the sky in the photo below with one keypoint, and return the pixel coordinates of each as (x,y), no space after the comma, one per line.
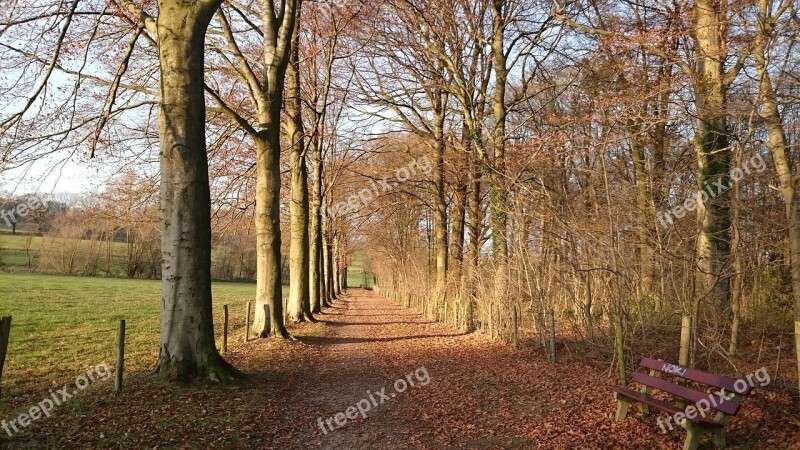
(45,176)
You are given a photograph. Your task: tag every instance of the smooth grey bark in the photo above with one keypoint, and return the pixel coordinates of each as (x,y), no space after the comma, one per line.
(187,347)
(299,304)
(269,288)
(329,275)
(778,145)
(440,210)
(713,246)
(643,211)
(337,265)
(278,31)
(473,249)
(456,252)
(497,192)
(316,292)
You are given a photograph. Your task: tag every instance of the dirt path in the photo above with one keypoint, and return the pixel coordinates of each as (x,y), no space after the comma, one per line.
(372,344)
(467,393)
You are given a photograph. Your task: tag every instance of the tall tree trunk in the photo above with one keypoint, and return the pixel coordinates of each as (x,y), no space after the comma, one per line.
(779,148)
(457,236)
(497,170)
(645,251)
(299,304)
(337,265)
(327,257)
(738,277)
(473,250)
(440,211)
(187,345)
(269,290)
(277,51)
(315,292)
(712,279)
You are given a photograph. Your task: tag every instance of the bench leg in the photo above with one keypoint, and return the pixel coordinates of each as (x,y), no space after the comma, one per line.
(693,433)
(719,437)
(622,409)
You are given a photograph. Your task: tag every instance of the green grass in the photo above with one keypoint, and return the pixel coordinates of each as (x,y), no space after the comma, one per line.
(355,273)
(16,253)
(63,325)
(12,250)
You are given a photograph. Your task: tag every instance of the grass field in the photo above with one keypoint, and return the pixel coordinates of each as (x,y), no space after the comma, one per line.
(62,325)
(17,253)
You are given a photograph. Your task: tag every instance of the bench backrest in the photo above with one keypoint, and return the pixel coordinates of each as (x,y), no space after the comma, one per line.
(714,400)
(741,386)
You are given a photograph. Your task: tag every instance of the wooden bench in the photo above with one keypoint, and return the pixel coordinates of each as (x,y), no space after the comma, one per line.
(687,402)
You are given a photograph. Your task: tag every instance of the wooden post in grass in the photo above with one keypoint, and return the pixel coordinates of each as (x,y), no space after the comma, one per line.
(515,323)
(686,337)
(224,328)
(683,355)
(247,323)
(5,331)
(552,316)
(120,357)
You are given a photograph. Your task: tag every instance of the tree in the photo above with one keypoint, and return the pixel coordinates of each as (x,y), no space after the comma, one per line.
(767,18)
(261,101)
(705,66)
(299,304)
(187,328)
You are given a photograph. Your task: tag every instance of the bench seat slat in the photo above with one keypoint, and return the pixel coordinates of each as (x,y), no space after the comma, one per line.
(718,381)
(668,408)
(714,401)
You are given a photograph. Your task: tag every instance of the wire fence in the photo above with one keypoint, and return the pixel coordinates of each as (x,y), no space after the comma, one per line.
(757,346)
(37,359)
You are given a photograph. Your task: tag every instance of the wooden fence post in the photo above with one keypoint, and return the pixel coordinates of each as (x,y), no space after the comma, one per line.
(120,357)
(224,328)
(684,353)
(247,323)
(686,337)
(5,331)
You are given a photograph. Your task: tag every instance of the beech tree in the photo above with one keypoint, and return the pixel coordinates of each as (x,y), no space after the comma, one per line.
(255,103)
(187,327)
(769,17)
(299,304)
